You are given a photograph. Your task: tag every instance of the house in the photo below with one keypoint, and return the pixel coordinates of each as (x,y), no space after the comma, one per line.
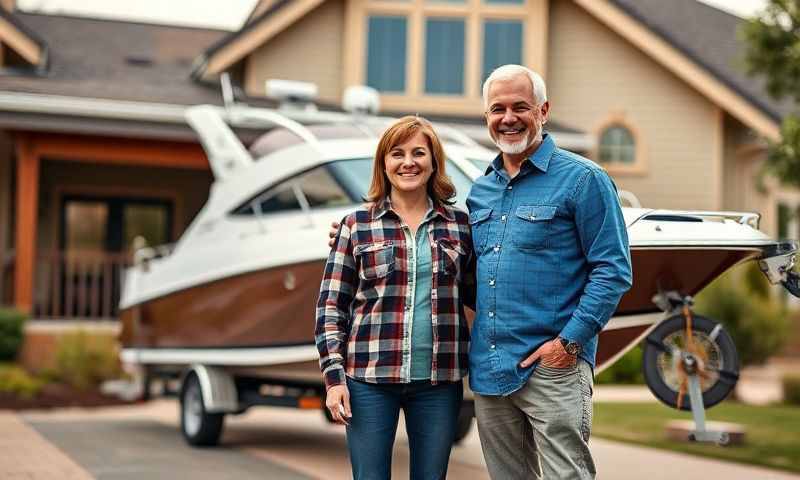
(94,150)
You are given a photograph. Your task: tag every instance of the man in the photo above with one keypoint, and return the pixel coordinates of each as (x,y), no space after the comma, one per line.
(552,264)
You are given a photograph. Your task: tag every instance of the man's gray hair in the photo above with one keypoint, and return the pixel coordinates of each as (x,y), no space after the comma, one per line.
(507,72)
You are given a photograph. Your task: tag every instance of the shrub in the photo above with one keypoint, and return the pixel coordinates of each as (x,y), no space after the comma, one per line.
(791,388)
(758,325)
(12,323)
(85,361)
(626,370)
(17,381)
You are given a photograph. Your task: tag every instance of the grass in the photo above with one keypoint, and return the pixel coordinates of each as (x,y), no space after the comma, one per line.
(772,436)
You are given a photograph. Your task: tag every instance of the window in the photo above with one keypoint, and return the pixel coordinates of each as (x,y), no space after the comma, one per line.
(321,189)
(502,44)
(354,176)
(317,187)
(617,145)
(281,199)
(386,54)
(433,55)
(788,219)
(444,56)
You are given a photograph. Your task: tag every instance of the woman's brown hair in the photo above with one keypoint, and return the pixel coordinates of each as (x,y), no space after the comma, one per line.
(440,188)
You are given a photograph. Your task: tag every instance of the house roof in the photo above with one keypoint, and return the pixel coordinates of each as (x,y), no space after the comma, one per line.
(698,42)
(116,60)
(708,36)
(256,31)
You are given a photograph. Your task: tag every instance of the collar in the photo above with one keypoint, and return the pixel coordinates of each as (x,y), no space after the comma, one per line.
(379,209)
(540,158)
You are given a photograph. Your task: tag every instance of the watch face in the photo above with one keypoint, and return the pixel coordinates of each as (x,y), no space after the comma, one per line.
(572,348)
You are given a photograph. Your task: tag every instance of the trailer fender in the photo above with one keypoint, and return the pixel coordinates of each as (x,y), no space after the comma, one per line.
(217,386)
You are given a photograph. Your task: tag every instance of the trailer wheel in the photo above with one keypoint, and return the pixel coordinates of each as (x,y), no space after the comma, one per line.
(199,428)
(464,424)
(712,344)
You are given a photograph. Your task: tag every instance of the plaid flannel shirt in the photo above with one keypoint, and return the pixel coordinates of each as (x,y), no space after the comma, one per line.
(366,291)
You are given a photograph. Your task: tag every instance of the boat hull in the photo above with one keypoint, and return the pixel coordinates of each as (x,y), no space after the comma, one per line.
(262,321)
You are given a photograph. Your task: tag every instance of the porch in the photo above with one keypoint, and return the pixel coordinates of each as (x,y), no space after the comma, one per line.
(73,204)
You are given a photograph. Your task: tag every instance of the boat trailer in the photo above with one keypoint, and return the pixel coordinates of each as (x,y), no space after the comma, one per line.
(691,354)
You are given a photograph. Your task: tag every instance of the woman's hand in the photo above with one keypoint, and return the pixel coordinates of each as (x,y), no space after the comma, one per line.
(332,233)
(337,401)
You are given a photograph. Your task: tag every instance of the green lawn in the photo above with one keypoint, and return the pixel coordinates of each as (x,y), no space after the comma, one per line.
(772,438)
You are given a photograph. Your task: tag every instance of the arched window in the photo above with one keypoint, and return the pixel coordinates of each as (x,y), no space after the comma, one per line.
(617,145)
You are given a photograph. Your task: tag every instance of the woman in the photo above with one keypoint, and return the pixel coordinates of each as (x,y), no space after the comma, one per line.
(391,331)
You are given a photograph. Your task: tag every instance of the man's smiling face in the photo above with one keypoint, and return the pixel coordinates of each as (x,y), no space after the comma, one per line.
(515,121)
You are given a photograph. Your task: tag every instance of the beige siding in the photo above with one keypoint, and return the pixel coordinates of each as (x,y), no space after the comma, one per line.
(594,74)
(310,51)
(188,188)
(746,188)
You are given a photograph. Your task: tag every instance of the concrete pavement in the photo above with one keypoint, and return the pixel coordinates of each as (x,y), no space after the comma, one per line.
(143,441)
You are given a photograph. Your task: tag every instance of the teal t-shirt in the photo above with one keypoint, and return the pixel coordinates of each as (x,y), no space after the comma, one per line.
(421,326)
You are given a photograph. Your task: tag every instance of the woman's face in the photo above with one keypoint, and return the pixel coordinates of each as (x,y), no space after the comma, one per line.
(409,165)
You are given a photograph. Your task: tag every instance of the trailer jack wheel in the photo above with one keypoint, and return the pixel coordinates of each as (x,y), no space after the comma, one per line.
(690,363)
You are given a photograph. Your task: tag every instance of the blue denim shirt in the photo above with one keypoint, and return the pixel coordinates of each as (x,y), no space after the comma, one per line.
(553,260)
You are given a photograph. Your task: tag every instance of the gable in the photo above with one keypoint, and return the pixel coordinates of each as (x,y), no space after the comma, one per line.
(687,69)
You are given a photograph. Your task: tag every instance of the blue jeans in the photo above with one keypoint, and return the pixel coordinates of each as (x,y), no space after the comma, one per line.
(431,414)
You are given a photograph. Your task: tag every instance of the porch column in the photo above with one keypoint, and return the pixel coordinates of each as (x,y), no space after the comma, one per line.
(6,157)
(27,202)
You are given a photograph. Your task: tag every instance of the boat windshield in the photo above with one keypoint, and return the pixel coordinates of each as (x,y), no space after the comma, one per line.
(355,176)
(481,163)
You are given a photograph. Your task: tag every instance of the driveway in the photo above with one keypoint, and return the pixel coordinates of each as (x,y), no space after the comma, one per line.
(144,441)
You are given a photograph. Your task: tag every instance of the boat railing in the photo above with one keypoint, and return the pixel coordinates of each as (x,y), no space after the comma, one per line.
(745,218)
(143,253)
(78,284)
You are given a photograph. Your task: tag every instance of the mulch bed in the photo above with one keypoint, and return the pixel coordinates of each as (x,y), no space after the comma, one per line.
(57,395)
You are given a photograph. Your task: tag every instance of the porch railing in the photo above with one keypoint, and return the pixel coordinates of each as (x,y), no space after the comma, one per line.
(78,285)
(7,278)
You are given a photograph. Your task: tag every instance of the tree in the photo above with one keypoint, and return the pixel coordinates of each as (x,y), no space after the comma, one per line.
(773,51)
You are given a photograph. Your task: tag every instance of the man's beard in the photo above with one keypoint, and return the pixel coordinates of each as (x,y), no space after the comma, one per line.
(517,147)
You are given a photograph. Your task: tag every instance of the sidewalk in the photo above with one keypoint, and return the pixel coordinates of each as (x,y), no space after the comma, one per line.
(26,455)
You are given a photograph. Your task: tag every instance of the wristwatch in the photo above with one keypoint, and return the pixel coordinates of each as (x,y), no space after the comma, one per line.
(572,348)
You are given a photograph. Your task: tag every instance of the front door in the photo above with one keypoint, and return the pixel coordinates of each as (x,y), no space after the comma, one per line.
(96,237)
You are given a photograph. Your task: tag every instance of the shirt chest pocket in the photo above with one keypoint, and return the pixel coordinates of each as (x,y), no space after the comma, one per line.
(479,223)
(376,260)
(532,226)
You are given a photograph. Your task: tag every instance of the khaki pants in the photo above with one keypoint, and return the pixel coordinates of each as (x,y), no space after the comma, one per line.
(542,430)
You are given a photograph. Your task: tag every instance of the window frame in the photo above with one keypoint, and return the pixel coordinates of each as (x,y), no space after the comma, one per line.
(531,13)
(639,165)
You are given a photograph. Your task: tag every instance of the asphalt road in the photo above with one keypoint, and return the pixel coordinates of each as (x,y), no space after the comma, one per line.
(144,441)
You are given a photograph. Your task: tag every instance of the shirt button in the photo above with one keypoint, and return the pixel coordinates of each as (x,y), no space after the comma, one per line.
(503,218)
(491,314)
(533,217)
(497,248)
(510,187)
(408,307)
(491,346)
(491,282)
